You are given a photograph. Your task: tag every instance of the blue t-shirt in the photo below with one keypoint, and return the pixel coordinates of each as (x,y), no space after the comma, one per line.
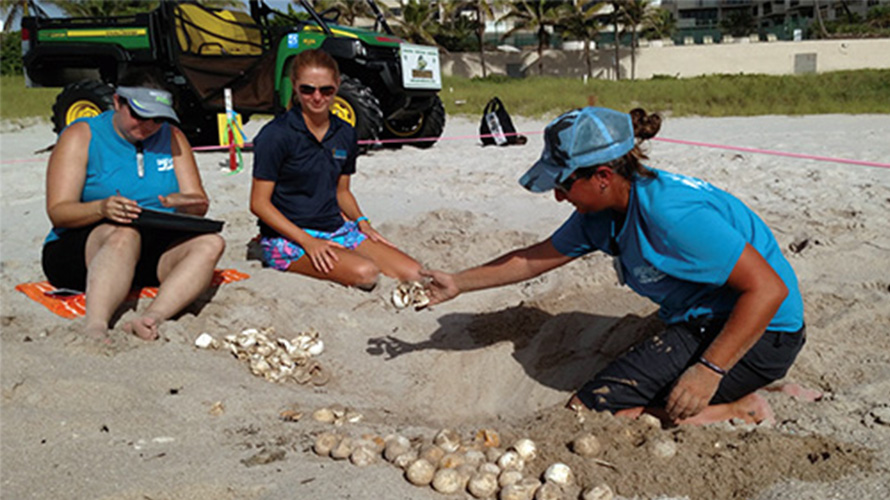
(680,241)
(113,167)
(305,171)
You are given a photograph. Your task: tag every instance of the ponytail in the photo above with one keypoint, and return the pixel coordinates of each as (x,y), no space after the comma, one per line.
(646,126)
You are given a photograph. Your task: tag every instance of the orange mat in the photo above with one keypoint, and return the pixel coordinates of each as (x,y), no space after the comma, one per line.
(74,306)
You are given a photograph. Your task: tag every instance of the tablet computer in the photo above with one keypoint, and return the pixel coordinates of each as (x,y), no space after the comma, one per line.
(177,222)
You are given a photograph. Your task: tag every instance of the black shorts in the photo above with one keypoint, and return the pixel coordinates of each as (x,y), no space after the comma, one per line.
(645,375)
(64,260)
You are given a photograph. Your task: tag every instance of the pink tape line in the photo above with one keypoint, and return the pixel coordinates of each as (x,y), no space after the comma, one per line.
(775,153)
(662,139)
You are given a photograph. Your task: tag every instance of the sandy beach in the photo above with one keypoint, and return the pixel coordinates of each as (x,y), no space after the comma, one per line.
(167,420)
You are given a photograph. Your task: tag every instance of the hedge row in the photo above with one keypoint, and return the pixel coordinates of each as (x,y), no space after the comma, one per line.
(11,53)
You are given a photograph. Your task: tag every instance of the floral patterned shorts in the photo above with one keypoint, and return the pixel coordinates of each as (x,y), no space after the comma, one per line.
(279,253)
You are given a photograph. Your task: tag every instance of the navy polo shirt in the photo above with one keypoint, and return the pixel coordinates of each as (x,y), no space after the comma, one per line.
(305,171)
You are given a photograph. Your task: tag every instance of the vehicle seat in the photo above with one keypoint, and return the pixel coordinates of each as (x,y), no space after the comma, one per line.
(205,32)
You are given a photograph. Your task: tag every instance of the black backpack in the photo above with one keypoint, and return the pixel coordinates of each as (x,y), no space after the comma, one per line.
(497,127)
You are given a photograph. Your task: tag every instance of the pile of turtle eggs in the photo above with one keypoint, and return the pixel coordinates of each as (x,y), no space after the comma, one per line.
(479,466)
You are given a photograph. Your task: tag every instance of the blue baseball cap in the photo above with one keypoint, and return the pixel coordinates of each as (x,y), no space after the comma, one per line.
(149,103)
(580,138)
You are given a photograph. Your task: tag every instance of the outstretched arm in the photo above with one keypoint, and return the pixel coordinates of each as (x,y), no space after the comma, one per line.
(761,292)
(513,267)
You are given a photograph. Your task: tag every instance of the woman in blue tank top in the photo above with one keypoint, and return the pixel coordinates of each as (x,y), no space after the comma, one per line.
(729,301)
(102,172)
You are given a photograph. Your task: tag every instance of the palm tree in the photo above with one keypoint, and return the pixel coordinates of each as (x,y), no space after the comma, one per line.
(581,21)
(350,10)
(535,15)
(12,10)
(661,24)
(615,18)
(739,22)
(102,8)
(108,8)
(632,14)
(417,24)
(484,10)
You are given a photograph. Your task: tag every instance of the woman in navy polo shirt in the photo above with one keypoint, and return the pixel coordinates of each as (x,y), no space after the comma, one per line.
(303,161)
(729,300)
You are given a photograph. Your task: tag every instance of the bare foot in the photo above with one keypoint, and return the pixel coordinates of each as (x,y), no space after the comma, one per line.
(145,327)
(633,413)
(754,409)
(797,391)
(99,333)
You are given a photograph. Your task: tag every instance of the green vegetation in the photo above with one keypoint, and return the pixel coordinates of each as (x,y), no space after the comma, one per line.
(863,91)
(11,53)
(18,102)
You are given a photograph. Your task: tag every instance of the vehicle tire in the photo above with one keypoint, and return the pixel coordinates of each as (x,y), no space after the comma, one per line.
(81,100)
(429,123)
(357,106)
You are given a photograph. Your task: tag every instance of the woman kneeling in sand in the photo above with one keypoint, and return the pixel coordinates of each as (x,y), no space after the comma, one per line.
(303,161)
(101,172)
(730,302)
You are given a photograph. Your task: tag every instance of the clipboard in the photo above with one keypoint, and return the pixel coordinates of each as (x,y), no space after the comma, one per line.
(177,222)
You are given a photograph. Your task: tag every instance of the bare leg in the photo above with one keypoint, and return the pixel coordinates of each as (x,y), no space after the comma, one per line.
(111,252)
(391,261)
(185,271)
(351,269)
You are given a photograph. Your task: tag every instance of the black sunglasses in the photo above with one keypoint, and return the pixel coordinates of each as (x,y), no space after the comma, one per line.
(327,90)
(136,116)
(566,185)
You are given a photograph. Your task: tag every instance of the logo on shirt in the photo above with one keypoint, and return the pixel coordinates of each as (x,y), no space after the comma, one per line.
(647,274)
(165,164)
(339,154)
(691,181)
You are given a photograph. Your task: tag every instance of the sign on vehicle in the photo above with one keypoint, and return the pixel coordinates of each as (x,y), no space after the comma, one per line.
(420,67)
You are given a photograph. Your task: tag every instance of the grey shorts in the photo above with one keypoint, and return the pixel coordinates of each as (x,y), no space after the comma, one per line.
(645,374)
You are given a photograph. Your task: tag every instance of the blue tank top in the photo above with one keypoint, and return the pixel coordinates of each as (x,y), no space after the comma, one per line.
(680,240)
(113,167)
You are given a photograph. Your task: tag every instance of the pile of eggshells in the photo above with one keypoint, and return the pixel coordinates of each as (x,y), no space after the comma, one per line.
(275,359)
(479,466)
(410,294)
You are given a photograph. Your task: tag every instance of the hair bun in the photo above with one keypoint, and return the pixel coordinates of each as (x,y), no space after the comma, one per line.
(646,126)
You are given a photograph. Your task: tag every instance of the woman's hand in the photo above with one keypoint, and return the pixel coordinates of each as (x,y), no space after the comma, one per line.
(692,393)
(118,209)
(441,286)
(189,203)
(372,234)
(322,254)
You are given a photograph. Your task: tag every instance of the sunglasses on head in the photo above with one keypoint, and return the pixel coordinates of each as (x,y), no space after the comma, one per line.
(326,90)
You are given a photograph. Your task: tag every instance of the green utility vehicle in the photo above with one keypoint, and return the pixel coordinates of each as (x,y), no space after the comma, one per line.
(389,87)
